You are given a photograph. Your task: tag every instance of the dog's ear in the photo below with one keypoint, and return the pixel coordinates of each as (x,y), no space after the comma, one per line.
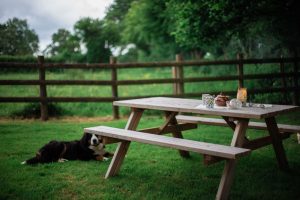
(85,139)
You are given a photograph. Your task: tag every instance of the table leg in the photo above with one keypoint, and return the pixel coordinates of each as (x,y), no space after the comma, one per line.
(176,133)
(122,148)
(277,143)
(228,173)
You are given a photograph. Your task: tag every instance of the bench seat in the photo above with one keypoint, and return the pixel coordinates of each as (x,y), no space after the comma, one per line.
(221,122)
(222,151)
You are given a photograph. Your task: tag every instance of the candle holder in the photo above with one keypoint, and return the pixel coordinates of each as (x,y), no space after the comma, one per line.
(242,96)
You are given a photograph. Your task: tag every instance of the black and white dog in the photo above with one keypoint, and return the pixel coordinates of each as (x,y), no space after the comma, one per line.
(89,147)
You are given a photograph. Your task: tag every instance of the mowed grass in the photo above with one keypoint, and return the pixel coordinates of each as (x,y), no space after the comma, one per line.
(148,172)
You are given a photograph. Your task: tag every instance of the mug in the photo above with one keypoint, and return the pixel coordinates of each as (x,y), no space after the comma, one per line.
(209,101)
(204,98)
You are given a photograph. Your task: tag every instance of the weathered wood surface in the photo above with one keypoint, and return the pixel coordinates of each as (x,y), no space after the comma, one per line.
(221,122)
(238,140)
(277,143)
(190,106)
(165,141)
(157,130)
(148,64)
(123,146)
(153,81)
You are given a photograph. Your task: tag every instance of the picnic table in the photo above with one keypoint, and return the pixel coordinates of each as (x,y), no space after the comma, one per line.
(236,119)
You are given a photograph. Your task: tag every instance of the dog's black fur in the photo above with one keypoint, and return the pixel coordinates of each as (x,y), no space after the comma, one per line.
(83,149)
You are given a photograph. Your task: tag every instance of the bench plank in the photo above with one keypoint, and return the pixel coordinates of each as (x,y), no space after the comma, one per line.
(221,122)
(227,152)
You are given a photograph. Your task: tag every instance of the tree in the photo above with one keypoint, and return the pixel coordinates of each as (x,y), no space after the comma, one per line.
(90,32)
(201,23)
(147,26)
(64,44)
(17,38)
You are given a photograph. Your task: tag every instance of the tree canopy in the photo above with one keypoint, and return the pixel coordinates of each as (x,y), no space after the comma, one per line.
(17,38)
(156,30)
(201,23)
(63,43)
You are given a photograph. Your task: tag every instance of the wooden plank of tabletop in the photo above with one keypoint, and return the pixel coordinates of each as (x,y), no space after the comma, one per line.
(190,106)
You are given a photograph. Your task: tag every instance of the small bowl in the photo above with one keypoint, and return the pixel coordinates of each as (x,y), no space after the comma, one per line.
(234,104)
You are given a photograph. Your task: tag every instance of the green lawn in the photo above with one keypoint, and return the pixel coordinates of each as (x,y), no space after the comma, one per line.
(148,172)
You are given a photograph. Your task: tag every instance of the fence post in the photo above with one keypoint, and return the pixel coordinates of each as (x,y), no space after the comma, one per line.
(177,73)
(114,86)
(296,85)
(240,69)
(43,89)
(284,83)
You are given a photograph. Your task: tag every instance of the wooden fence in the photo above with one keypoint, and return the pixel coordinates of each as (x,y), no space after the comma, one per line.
(178,80)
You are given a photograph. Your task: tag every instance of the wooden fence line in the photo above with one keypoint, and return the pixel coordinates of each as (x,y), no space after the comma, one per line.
(148,64)
(282,75)
(178,80)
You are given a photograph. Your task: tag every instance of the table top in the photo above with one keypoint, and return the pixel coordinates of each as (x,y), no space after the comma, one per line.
(194,106)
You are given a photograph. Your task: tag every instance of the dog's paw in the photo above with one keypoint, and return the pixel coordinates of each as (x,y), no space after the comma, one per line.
(105,159)
(24,163)
(62,160)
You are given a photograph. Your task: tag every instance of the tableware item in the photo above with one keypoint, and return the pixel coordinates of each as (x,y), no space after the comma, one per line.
(242,95)
(234,104)
(209,101)
(204,98)
(221,99)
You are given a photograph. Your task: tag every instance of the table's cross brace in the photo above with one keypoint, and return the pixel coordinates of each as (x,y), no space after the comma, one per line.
(277,143)
(171,119)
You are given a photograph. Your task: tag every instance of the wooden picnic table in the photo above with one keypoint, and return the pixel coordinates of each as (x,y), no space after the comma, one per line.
(236,119)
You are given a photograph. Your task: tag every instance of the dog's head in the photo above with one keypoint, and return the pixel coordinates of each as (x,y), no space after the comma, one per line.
(91,140)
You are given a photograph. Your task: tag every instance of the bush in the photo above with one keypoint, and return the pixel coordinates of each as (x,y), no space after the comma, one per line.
(33,110)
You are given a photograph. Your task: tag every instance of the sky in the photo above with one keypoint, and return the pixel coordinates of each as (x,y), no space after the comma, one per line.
(47,16)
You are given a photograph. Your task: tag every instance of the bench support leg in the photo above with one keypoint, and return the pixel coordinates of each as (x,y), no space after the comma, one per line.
(117,160)
(228,173)
(122,148)
(277,143)
(171,119)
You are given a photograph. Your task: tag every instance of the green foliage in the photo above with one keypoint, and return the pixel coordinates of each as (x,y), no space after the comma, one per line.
(64,45)
(21,59)
(17,38)
(146,25)
(255,25)
(114,21)
(33,110)
(91,33)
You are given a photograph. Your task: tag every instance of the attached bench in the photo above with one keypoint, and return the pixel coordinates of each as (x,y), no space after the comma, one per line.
(226,152)
(283,128)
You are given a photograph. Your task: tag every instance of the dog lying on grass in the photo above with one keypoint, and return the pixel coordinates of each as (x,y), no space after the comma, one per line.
(89,147)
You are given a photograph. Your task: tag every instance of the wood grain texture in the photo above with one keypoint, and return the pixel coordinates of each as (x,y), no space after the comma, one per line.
(171,118)
(190,106)
(229,169)
(221,122)
(165,141)
(123,146)
(277,143)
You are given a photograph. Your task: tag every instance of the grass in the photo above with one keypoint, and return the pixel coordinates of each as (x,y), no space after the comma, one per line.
(149,172)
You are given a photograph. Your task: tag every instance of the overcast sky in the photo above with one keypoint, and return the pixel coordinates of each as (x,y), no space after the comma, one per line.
(47,16)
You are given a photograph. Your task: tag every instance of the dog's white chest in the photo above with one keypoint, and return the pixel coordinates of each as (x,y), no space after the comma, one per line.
(98,150)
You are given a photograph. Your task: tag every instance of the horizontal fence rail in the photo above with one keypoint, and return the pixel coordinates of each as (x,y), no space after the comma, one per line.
(178,80)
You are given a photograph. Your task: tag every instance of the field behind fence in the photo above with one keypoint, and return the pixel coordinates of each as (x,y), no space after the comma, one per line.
(137,80)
